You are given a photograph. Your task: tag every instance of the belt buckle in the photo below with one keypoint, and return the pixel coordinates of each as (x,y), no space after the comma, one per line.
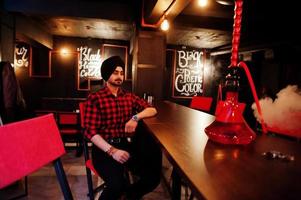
(114,140)
(118,140)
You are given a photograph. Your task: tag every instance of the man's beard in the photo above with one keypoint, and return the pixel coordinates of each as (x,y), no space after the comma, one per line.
(116,83)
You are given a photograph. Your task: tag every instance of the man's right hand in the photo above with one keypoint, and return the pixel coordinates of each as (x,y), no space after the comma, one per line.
(121,156)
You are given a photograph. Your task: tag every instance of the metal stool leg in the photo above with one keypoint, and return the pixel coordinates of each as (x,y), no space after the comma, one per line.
(60,173)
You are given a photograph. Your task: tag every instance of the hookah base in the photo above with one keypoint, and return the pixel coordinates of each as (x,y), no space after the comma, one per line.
(230,133)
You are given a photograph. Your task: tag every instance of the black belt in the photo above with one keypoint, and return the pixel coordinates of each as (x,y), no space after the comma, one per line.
(118,140)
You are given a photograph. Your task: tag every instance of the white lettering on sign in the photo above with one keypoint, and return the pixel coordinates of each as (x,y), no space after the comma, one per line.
(89,63)
(189,73)
(22,57)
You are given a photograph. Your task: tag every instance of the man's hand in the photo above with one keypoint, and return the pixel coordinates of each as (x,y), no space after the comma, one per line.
(120,156)
(130,126)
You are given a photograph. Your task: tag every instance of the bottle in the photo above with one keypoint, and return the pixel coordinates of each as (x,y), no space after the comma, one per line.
(150,100)
(144,96)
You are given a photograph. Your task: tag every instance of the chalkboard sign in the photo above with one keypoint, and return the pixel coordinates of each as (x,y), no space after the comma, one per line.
(22,55)
(90,60)
(188,74)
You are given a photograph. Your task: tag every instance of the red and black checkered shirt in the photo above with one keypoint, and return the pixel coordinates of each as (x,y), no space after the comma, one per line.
(106,114)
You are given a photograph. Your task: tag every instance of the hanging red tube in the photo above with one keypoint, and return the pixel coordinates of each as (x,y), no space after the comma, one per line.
(245,67)
(236,32)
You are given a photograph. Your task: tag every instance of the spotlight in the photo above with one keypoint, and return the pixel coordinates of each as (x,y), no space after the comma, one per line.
(202,3)
(64,51)
(165,25)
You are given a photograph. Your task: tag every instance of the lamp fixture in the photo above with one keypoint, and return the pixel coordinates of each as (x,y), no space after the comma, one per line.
(160,21)
(202,3)
(164,25)
(64,51)
(225,2)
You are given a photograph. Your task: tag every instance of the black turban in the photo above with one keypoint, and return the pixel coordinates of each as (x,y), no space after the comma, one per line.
(109,65)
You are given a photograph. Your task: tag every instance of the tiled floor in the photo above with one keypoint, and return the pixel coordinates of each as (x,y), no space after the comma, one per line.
(43,184)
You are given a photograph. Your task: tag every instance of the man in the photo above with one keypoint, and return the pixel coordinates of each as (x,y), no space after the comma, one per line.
(111,122)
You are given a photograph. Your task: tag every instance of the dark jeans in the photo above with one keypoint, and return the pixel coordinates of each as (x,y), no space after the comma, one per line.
(145,162)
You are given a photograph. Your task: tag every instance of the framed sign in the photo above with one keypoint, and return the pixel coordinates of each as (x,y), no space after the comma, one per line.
(41,64)
(22,55)
(89,62)
(118,50)
(188,74)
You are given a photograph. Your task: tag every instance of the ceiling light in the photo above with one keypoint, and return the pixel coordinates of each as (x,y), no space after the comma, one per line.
(64,51)
(202,3)
(165,25)
(225,2)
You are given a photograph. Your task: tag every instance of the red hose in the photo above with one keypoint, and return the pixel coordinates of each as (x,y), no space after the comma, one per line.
(245,67)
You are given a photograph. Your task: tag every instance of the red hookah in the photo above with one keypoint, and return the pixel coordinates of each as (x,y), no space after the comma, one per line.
(229,126)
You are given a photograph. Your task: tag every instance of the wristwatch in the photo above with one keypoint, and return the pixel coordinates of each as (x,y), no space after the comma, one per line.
(135,118)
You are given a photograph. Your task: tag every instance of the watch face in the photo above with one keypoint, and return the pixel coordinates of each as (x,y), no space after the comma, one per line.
(135,118)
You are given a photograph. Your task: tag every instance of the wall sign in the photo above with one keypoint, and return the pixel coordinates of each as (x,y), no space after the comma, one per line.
(188,74)
(22,55)
(90,60)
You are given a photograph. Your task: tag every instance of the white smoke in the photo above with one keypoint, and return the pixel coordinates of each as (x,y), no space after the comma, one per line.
(284,113)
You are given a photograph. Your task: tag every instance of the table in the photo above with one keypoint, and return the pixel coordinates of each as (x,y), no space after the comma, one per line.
(216,171)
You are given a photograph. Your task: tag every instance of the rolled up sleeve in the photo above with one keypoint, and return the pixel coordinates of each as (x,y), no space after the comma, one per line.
(92,119)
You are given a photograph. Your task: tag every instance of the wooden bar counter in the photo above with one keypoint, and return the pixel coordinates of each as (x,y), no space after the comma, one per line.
(216,171)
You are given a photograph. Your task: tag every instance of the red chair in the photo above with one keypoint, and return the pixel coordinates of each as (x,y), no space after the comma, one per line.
(201,103)
(69,125)
(28,145)
(88,161)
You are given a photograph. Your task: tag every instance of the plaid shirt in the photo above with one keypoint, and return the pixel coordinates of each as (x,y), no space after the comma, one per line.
(107,115)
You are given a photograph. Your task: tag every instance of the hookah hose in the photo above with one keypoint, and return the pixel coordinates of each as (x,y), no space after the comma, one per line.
(245,67)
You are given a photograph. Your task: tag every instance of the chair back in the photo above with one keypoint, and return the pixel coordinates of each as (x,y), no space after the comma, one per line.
(26,146)
(82,112)
(68,118)
(201,103)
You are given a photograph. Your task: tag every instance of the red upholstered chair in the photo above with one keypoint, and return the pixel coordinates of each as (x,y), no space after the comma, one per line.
(201,103)
(28,145)
(88,161)
(69,126)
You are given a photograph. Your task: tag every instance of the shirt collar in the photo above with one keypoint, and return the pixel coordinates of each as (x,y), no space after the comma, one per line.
(120,92)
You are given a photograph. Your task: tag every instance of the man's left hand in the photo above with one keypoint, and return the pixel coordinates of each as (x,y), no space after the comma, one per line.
(130,126)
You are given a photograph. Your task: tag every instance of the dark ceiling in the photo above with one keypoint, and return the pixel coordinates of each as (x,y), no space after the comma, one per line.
(264,21)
